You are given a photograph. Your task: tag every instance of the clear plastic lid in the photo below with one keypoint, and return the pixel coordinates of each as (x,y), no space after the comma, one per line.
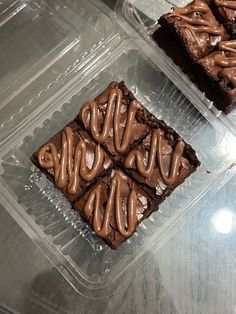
(41,43)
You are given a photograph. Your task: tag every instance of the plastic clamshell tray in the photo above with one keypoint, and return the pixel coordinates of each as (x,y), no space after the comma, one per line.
(41,42)
(44,213)
(143,17)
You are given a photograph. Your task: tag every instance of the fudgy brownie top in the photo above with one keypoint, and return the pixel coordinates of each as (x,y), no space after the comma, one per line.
(226,8)
(196,27)
(225,12)
(161,161)
(72,160)
(114,206)
(221,65)
(115,119)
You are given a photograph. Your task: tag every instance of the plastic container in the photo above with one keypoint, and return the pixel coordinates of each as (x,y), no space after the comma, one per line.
(41,43)
(143,17)
(50,93)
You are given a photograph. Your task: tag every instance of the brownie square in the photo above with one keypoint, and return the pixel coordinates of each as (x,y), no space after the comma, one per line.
(114,207)
(216,74)
(115,119)
(72,160)
(225,11)
(161,162)
(89,170)
(195,28)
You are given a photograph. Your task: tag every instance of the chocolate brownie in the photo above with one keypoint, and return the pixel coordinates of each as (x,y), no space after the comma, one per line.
(114,206)
(216,74)
(195,28)
(161,162)
(111,199)
(225,11)
(72,160)
(115,119)
(172,49)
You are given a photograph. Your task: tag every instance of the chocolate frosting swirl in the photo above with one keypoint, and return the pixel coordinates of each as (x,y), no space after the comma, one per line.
(92,207)
(155,158)
(226,61)
(227,45)
(226,9)
(226,4)
(199,19)
(112,117)
(69,164)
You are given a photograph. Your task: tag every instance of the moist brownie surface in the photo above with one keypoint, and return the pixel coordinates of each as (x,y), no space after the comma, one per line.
(225,11)
(72,160)
(115,119)
(218,72)
(114,206)
(195,28)
(161,162)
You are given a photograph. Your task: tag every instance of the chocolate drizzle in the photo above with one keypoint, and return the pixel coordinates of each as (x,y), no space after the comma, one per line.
(226,61)
(227,46)
(92,208)
(69,163)
(155,158)
(227,12)
(226,4)
(199,19)
(112,118)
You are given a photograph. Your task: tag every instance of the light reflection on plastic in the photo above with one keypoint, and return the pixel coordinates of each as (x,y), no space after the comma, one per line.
(230,150)
(223,221)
